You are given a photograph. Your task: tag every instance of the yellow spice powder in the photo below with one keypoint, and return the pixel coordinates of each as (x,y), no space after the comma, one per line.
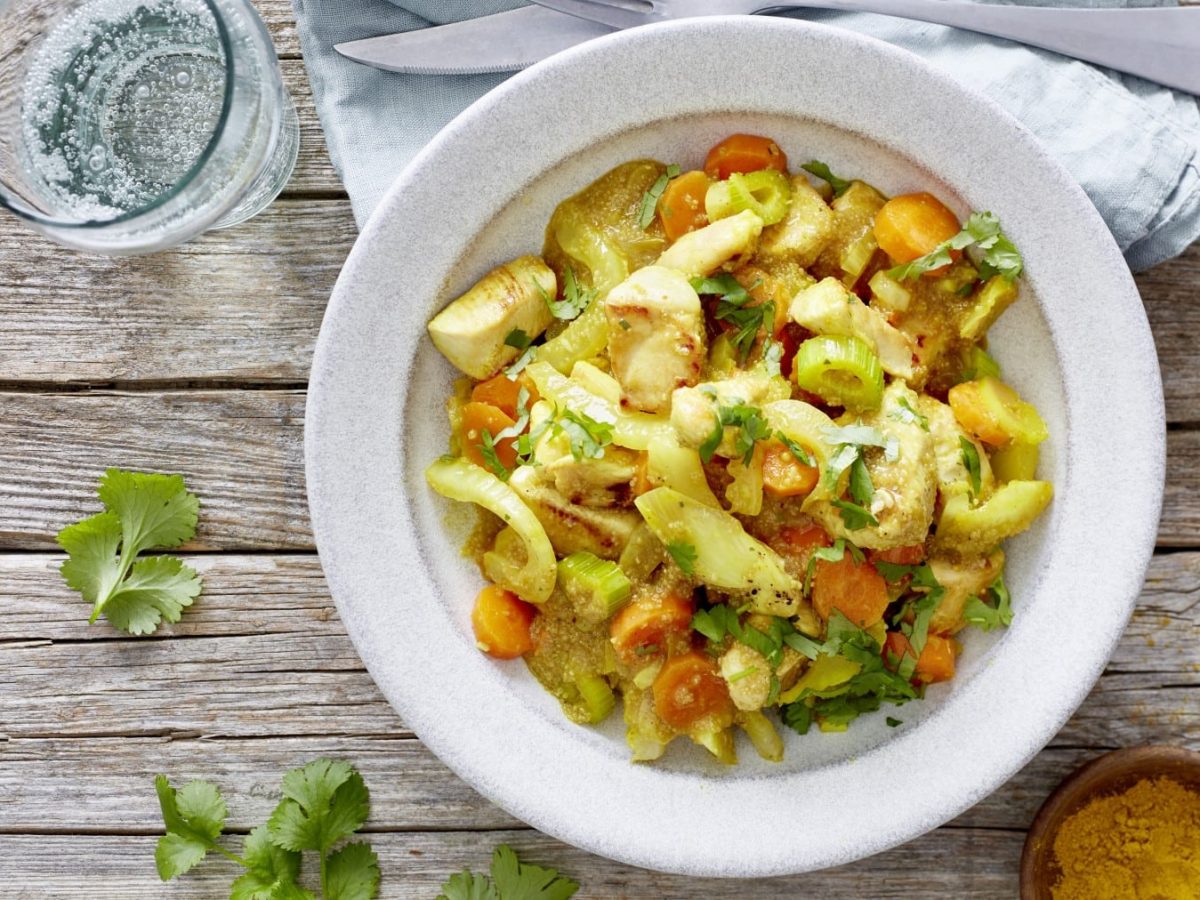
(1142,844)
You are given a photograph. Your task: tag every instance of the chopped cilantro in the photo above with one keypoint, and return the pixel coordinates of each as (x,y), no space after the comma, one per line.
(998,255)
(990,615)
(854,516)
(587,437)
(970,458)
(797,716)
(905,413)
(922,575)
(892,723)
(733,307)
(862,489)
(575,298)
(751,425)
(491,459)
(738,676)
(684,555)
(795,449)
(818,168)
(830,554)
(651,197)
(517,338)
(624,323)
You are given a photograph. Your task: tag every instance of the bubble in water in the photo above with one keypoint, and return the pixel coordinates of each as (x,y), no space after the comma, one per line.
(183,78)
(142,91)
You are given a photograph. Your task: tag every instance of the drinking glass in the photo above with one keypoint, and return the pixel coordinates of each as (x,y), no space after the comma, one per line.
(129,126)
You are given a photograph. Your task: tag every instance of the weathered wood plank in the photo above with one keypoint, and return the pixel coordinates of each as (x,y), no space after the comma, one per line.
(243,303)
(242,451)
(314,172)
(239,450)
(1169,292)
(281,22)
(973,863)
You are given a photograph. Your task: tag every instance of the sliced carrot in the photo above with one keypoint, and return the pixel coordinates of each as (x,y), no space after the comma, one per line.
(480,417)
(912,225)
(744,153)
(502,393)
(803,539)
(854,589)
(501,621)
(681,207)
(688,689)
(912,555)
(783,474)
(936,662)
(641,630)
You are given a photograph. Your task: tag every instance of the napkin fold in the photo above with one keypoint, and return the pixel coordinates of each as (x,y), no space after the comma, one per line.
(1134,146)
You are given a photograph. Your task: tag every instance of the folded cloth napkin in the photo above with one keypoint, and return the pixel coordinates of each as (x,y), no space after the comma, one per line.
(1132,145)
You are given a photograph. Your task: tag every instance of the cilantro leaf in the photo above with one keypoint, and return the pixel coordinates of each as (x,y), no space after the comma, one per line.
(466,885)
(892,723)
(733,306)
(194,816)
(830,554)
(323,802)
(575,298)
(522,881)
(517,339)
(751,425)
(905,413)
(143,511)
(587,437)
(491,458)
(352,873)
(795,449)
(970,458)
(922,576)
(684,555)
(998,255)
(862,489)
(986,615)
(854,516)
(818,168)
(797,716)
(272,871)
(650,199)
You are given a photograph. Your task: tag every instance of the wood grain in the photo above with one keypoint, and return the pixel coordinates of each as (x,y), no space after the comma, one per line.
(242,453)
(972,863)
(314,172)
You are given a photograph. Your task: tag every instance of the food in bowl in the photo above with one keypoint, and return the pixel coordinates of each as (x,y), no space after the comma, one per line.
(741,447)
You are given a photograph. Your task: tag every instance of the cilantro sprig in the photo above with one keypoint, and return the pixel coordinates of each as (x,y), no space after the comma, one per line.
(510,879)
(576,298)
(684,555)
(851,442)
(141,512)
(323,804)
(752,428)
(994,612)
(733,307)
(997,254)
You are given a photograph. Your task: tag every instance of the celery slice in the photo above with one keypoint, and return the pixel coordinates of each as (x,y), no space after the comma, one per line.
(765,193)
(996,296)
(888,292)
(980,364)
(857,254)
(669,465)
(1010,510)
(458,479)
(726,556)
(719,744)
(597,697)
(596,587)
(585,337)
(841,370)
(745,493)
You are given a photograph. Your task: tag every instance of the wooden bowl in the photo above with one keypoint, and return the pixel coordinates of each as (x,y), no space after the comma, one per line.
(1111,773)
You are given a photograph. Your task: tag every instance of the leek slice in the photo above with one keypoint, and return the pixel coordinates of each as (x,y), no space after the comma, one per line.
(596,587)
(1010,510)
(888,292)
(857,254)
(458,479)
(841,370)
(765,193)
(726,556)
(719,744)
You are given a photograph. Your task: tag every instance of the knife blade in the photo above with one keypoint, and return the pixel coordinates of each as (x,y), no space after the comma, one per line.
(502,42)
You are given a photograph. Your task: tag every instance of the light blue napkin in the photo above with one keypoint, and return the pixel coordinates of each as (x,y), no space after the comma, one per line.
(1133,146)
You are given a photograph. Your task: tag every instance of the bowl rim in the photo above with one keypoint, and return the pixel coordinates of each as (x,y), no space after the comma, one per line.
(333,501)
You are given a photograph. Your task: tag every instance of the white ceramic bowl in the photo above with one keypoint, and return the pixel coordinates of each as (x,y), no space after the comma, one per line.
(1077,345)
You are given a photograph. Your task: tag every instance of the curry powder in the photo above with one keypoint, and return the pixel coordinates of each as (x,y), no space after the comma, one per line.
(1142,844)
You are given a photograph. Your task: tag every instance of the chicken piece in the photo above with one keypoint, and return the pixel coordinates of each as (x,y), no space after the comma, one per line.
(705,250)
(748,676)
(470,331)
(961,580)
(570,526)
(803,234)
(694,409)
(828,308)
(599,483)
(905,486)
(947,434)
(655,337)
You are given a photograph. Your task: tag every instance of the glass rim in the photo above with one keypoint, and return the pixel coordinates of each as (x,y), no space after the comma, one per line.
(20,209)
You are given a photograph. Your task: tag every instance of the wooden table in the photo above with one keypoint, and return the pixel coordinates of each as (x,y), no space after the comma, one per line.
(195,361)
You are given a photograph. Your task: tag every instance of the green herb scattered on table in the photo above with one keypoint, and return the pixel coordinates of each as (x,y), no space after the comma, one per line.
(323,803)
(510,879)
(141,512)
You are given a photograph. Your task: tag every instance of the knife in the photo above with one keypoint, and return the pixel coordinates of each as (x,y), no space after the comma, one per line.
(503,42)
